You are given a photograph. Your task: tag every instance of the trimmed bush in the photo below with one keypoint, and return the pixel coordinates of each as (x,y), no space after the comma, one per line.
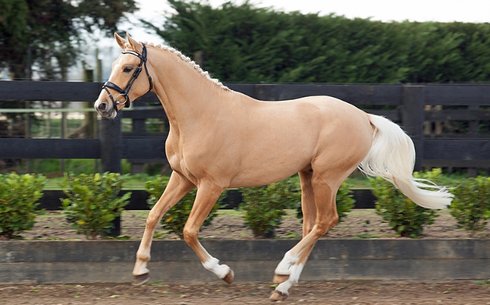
(345,201)
(264,206)
(93,202)
(174,220)
(19,195)
(471,204)
(402,214)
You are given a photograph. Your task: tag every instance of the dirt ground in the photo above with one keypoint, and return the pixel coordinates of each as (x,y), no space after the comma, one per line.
(229,225)
(359,223)
(337,292)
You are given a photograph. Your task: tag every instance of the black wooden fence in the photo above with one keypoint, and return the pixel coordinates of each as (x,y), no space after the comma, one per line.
(409,105)
(405,104)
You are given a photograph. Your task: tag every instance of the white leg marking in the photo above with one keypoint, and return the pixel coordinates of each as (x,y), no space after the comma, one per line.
(284,266)
(292,280)
(213,265)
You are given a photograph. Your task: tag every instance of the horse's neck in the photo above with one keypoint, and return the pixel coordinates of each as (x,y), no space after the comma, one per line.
(187,95)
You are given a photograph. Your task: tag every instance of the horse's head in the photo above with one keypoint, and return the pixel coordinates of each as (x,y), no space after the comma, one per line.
(125,83)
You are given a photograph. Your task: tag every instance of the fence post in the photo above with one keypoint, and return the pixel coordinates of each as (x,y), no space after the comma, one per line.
(413,116)
(111,145)
(111,154)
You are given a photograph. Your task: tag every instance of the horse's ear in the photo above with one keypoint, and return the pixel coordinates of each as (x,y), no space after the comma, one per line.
(120,41)
(135,45)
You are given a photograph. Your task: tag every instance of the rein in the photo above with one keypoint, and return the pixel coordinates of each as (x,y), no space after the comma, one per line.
(124,92)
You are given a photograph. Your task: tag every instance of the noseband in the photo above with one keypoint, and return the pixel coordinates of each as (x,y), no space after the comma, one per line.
(124,92)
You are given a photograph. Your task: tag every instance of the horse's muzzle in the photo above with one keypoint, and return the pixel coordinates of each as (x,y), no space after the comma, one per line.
(105,109)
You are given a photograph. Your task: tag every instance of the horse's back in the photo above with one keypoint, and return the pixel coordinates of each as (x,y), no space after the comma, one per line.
(329,115)
(290,135)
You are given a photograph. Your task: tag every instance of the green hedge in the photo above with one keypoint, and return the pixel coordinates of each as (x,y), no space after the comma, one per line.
(265,206)
(93,202)
(402,215)
(19,195)
(243,43)
(471,205)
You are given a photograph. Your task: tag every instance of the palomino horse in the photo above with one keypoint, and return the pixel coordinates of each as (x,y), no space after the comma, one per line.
(220,138)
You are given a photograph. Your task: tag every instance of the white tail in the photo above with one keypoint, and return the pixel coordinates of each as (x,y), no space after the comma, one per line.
(392,157)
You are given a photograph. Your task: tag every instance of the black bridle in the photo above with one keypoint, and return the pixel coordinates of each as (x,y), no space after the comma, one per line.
(124,92)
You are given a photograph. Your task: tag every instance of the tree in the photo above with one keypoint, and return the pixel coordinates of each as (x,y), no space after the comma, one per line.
(47,33)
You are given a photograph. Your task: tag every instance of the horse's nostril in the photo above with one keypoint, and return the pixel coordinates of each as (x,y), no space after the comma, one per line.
(102,106)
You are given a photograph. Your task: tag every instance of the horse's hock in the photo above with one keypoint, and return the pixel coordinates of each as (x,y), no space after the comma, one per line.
(255,260)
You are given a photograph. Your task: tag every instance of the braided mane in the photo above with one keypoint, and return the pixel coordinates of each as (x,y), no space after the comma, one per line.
(189,61)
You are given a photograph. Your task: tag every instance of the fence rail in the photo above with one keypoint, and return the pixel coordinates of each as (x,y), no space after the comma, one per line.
(405,104)
(51,199)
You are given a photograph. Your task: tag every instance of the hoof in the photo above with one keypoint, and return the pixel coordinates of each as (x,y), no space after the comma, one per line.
(141,279)
(280,278)
(277,296)
(229,277)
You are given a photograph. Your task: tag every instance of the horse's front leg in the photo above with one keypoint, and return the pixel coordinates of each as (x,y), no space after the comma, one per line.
(207,194)
(177,187)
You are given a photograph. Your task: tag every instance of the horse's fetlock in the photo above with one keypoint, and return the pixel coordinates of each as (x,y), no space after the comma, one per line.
(144,257)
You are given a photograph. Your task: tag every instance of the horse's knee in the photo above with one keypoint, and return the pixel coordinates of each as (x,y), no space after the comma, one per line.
(320,231)
(190,235)
(322,227)
(152,219)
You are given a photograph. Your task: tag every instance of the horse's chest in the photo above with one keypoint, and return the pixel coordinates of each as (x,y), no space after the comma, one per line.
(179,161)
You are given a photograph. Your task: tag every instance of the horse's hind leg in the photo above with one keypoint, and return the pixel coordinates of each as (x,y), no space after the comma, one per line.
(176,188)
(308,208)
(307,201)
(326,217)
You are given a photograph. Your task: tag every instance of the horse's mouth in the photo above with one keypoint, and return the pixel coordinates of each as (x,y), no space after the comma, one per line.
(106,113)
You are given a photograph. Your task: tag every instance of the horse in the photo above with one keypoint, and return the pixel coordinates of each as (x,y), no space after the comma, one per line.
(221,139)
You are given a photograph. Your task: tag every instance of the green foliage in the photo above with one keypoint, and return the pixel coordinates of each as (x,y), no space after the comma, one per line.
(175,218)
(402,214)
(19,195)
(93,202)
(344,200)
(48,33)
(471,204)
(53,166)
(244,43)
(264,206)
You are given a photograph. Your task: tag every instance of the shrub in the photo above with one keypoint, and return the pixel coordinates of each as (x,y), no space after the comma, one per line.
(19,195)
(174,220)
(471,204)
(344,200)
(264,206)
(93,202)
(402,214)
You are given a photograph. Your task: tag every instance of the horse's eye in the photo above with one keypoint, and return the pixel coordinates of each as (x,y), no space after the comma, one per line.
(127,69)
